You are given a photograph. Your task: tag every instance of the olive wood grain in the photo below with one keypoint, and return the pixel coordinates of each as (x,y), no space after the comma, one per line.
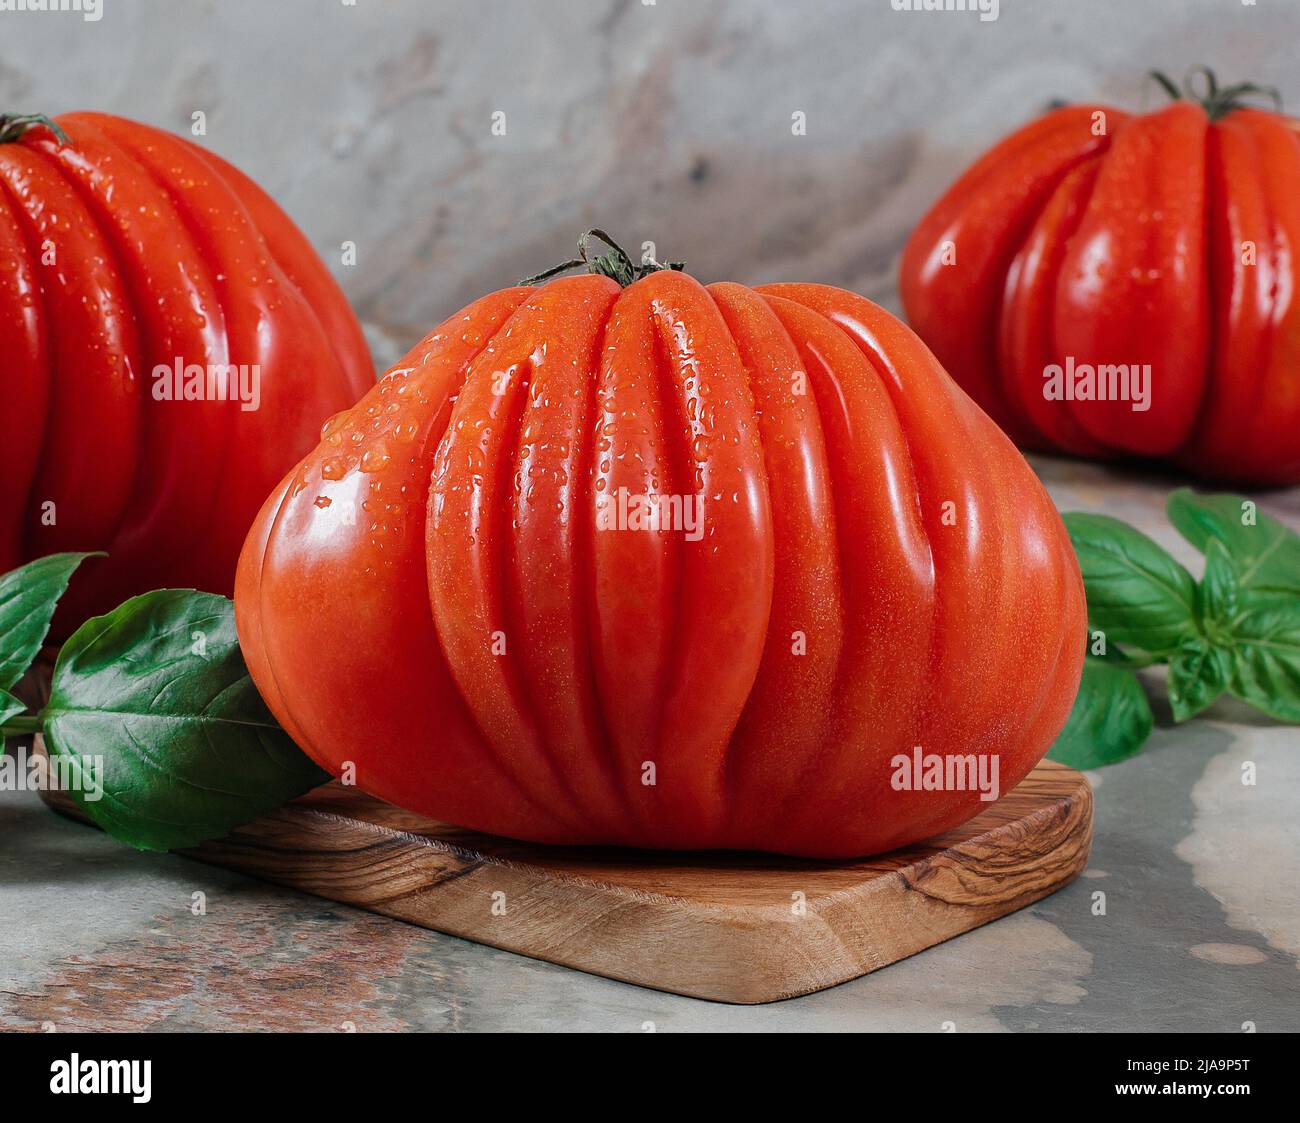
(725,926)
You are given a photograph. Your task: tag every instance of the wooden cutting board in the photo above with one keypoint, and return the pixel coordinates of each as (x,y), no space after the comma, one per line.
(724,926)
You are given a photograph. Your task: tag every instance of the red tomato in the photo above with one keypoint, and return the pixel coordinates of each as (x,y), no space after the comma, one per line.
(122,251)
(455,593)
(1103,246)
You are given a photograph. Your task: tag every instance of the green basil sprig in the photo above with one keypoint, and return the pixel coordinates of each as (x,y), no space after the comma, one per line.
(10,707)
(1110,720)
(28,598)
(1265,554)
(153,716)
(1137,593)
(1237,630)
(158,694)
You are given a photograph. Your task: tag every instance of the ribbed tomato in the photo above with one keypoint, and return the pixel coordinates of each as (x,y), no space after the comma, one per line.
(1093,251)
(125,251)
(466,592)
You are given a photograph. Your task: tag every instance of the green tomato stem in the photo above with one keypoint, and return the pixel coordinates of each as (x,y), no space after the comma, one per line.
(1202,86)
(14,125)
(617,264)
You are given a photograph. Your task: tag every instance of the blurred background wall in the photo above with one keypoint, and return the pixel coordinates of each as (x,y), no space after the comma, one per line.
(671,120)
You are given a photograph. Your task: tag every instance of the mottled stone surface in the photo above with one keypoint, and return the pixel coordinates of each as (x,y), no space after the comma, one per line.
(670,121)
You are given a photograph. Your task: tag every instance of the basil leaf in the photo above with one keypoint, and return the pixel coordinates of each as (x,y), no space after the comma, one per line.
(1200,668)
(28,597)
(1265,553)
(1198,674)
(1110,720)
(9,707)
(1265,653)
(165,732)
(1138,594)
(1220,589)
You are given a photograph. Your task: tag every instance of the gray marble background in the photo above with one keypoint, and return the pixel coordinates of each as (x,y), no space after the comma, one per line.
(667,121)
(670,121)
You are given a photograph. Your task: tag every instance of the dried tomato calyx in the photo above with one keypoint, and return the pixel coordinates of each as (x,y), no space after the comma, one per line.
(617,263)
(14,125)
(1202,86)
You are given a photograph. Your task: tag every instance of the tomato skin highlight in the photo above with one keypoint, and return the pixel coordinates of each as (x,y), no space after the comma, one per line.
(954,263)
(1126,249)
(1132,287)
(95,364)
(1025,341)
(24,343)
(1250,418)
(443,596)
(143,251)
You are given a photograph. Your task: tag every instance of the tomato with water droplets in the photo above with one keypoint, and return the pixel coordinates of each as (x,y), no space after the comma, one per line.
(1120,286)
(169,345)
(666,565)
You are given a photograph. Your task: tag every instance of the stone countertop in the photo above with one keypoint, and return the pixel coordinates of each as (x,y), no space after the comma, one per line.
(1201,929)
